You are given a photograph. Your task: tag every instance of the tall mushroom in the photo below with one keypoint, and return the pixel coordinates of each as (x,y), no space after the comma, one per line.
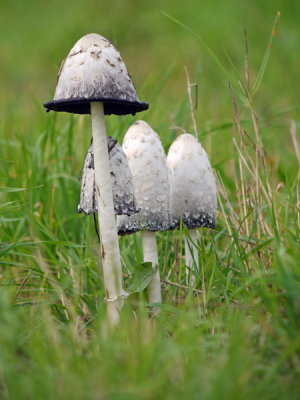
(93,80)
(193,191)
(147,162)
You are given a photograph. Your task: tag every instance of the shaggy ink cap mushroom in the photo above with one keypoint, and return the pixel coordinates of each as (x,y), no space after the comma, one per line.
(147,162)
(192,184)
(94,72)
(122,183)
(193,194)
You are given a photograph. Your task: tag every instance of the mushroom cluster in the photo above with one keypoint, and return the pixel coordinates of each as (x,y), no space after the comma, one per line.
(145,189)
(168,190)
(147,162)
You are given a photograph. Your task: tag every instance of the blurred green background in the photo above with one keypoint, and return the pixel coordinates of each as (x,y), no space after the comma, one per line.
(37,35)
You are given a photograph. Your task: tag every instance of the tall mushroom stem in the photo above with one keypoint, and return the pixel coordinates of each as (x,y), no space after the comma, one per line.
(110,252)
(189,260)
(150,255)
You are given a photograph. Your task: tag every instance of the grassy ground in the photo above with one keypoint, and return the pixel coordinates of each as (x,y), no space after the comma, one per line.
(237,335)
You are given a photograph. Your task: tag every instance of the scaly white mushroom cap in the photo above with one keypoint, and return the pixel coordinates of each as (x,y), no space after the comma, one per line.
(94,71)
(147,162)
(121,179)
(192,184)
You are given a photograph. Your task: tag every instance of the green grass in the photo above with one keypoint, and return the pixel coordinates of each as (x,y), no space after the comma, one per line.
(237,335)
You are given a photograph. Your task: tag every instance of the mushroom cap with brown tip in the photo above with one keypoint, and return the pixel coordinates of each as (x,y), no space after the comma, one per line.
(192,184)
(147,162)
(94,71)
(121,179)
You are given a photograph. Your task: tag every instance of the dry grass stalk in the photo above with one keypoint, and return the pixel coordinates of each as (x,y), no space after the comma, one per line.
(178,128)
(241,132)
(298,202)
(253,169)
(221,191)
(258,181)
(62,295)
(23,283)
(259,147)
(180,286)
(245,218)
(177,255)
(165,263)
(294,140)
(296,148)
(243,196)
(239,239)
(240,205)
(247,64)
(203,289)
(191,101)
(254,174)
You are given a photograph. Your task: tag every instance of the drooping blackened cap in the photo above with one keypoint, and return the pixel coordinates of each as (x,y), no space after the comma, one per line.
(192,184)
(121,180)
(94,72)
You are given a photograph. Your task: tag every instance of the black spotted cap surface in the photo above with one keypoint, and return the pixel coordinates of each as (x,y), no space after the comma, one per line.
(94,71)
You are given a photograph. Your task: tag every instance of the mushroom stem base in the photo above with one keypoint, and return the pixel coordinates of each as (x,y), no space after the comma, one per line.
(150,255)
(113,309)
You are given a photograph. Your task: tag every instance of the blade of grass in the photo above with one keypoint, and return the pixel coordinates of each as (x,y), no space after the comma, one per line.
(266,57)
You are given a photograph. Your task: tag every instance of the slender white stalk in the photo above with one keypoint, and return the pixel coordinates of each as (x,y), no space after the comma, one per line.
(189,262)
(110,252)
(150,255)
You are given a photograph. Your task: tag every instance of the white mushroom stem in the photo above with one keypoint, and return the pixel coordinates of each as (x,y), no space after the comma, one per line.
(150,255)
(189,258)
(110,252)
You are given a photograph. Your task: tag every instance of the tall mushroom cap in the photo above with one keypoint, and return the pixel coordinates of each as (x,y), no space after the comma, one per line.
(94,71)
(121,179)
(192,184)
(147,162)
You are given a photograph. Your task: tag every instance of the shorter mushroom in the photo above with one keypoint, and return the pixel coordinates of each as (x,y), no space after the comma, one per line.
(193,192)
(121,180)
(147,162)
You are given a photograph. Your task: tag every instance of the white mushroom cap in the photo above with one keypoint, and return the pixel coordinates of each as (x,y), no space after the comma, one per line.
(94,71)
(192,184)
(147,162)
(121,179)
